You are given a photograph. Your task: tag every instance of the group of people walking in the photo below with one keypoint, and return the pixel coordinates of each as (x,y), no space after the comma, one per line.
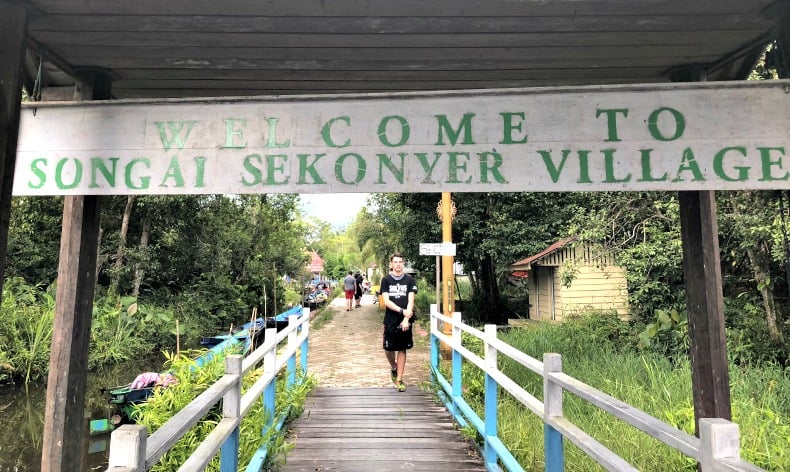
(398,290)
(352,286)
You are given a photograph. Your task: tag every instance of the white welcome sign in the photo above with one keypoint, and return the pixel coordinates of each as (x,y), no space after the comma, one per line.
(725,135)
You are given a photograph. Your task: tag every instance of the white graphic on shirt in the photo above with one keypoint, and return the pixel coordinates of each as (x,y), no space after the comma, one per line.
(398,290)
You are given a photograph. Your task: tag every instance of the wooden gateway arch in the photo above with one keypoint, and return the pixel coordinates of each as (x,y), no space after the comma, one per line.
(308,96)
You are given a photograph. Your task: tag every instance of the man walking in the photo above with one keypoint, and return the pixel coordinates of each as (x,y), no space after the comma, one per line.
(349,287)
(398,290)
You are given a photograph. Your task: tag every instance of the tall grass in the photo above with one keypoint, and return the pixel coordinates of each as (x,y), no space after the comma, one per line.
(168,401)
(596,355)
(120,329)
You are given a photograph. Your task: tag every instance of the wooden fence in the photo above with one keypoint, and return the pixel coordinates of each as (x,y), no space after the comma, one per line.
(716,450)
(131,450)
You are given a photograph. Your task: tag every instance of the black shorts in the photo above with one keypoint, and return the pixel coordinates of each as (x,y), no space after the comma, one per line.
(395,339)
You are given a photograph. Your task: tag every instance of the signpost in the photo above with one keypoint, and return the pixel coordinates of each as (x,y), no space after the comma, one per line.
(437,249)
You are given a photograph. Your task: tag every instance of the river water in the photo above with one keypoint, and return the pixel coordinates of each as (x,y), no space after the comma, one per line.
(22,417)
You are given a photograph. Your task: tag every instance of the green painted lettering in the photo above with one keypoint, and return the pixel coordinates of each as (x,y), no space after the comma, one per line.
(454,165)
(361,168)
(608,159)
(611,120)
(77,171)
(584,166)
(647,175)
(178,136)
(144,181)
(231,132)
(326,132)
(677,117)
(554,170)
(99,164)
(405,131)
(452,135)
(273,167)
(396,171)
(173,172)
(768,162)
(426,166)
(36,168)
(487,167)
(272,141)
(689,163)
(250,166)
(200,171)
(718,165)
(309,168)
(508,126)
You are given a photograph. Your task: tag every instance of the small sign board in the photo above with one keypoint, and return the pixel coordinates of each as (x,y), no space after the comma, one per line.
(437,249)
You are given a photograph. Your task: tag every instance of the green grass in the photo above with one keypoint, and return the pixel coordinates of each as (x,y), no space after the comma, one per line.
(760,400)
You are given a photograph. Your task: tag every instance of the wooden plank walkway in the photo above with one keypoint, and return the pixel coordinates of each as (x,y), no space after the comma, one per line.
(377,429)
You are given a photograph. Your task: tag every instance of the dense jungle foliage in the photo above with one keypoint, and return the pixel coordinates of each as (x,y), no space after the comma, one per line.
(209,261)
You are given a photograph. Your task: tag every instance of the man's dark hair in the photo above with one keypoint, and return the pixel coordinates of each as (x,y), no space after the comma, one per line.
(350,273)
(394,255)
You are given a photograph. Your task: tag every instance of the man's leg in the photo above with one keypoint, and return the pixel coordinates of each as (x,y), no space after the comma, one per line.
(391,359)
(401,361)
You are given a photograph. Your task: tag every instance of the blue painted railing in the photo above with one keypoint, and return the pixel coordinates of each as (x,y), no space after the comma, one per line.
(717,448)
(132,450)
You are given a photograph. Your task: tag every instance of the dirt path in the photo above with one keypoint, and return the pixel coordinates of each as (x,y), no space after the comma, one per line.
(347,352)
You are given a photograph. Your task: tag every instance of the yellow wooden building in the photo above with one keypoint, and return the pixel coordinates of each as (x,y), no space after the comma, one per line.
(568,278)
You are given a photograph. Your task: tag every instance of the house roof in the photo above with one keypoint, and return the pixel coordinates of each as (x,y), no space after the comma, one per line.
(525,264)
(185,48)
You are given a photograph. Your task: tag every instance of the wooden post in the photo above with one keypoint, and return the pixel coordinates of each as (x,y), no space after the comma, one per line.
(291,363)
(552,407)
(68,362)
(127,448)
(231,408)
(710,378)
(13,33)
(491,400)
(719,439)
(305,343)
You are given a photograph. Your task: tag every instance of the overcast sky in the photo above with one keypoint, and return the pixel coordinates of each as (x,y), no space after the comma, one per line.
(337,209)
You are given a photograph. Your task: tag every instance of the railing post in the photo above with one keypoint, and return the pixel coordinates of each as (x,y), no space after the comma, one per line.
(127,448)
(552,407)
(490,454)
(457,359)
(719,439)
(291,379)
(269,367)
(306,330)
(231,408)
(434,341)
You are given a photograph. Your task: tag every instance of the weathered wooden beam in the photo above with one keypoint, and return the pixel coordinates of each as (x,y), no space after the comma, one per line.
(13,31)
(68,365)
(710,378)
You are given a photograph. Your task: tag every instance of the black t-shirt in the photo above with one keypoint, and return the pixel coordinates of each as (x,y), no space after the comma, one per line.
(398,290)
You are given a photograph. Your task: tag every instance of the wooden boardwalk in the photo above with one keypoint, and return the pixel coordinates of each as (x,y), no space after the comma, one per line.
(377,429)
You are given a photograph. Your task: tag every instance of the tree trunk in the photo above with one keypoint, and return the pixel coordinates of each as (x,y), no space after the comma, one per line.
(127,215)
(138,266)
(490,290)
(760,260)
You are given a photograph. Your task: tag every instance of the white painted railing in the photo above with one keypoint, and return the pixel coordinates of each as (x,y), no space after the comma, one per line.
(131,450)
(717,449)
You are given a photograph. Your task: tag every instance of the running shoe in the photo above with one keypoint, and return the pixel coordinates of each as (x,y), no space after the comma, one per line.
(394,376)
(401,386)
